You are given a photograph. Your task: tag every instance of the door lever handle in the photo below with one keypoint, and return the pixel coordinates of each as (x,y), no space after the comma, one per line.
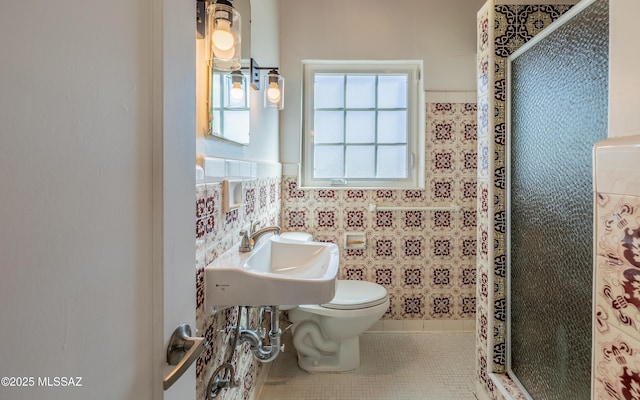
(182,351)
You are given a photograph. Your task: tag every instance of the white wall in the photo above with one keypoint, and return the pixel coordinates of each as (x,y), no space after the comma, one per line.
(441,33)
(264,123)
(624,64)
(75,209)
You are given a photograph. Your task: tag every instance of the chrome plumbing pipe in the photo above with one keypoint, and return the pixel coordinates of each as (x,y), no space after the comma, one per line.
(262,352)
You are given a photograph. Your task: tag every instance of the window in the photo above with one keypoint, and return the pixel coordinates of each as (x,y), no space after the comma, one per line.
(363,125)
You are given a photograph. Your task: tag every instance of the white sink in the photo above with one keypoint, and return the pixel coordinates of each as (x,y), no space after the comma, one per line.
(276,272)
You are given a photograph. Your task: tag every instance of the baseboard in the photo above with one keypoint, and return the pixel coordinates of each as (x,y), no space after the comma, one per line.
(260,381)
(481,393)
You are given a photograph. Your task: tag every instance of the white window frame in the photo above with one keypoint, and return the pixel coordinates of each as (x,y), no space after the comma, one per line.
(415,123)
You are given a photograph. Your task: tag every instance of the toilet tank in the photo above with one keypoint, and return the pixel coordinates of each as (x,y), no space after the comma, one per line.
(296,237)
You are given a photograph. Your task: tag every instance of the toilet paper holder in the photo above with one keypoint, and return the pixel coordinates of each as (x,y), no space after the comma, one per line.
(355,240)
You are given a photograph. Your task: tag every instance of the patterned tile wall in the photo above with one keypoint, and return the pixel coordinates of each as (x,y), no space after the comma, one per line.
(502,29)
(216,232)
(425,259)
(485,58)
(617,298)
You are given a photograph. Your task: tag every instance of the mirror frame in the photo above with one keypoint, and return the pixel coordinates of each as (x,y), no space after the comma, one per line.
(213,75)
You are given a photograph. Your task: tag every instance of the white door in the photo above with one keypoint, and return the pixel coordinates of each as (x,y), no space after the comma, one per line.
(96,197)
(177,164)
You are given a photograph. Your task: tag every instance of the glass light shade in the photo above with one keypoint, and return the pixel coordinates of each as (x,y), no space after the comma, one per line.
(235,86)
(224,27)
(274,91)
(236,92)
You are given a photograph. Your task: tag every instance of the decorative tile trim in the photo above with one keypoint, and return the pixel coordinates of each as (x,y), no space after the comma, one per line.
(616,365)
(485,43)
(507,28)
(507,388)
(616,370)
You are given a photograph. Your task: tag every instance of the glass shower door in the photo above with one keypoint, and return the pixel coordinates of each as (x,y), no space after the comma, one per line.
(559,92)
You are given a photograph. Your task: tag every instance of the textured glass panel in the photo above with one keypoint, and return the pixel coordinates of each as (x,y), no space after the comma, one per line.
(559,111)
(392,162)
(361,91)
(392,91)
(328,127)
(361,126)
(328,91)
(392,127)
(361,162)
(328,162)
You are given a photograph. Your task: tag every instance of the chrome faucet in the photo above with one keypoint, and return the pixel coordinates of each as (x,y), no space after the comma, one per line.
(249,240)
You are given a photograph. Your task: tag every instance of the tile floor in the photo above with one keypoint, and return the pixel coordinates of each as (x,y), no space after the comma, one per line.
(394,366)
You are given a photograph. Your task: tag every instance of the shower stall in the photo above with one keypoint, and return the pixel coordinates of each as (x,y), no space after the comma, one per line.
(558,105)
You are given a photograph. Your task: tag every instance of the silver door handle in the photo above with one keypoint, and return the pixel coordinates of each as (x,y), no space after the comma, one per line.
(182,351)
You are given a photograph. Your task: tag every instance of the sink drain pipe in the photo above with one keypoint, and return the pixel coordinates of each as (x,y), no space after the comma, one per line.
(224,376)
(262,352)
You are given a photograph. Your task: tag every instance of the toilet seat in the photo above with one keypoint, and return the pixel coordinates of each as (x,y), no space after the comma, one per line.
(326,337)
(355,295)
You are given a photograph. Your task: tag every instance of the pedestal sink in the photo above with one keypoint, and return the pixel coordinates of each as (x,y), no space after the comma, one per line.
(276,272)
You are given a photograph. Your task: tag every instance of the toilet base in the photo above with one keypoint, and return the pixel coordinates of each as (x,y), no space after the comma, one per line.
(346,358)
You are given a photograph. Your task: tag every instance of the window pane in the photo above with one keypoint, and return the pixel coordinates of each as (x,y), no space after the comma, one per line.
(328,162)
(217,83)
(328,91)
(361,162)
(236,125)
(361,127)
(392,127)
(361,91)
(358,121)
(392,91)
(215,122)
(328,127)
(392,162)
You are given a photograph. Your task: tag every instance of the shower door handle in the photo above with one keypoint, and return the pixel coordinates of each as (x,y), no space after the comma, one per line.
(182,351)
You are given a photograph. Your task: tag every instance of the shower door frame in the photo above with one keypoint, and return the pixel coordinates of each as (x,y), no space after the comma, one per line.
(575,10)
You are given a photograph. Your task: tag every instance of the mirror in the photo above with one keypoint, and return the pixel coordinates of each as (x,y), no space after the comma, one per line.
(229,114)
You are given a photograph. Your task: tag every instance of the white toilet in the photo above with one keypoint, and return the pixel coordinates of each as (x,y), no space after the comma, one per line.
(326,336)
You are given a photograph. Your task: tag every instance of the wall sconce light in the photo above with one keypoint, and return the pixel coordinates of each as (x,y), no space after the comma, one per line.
(201,12)
(274,91)
(236,89)
(224,26)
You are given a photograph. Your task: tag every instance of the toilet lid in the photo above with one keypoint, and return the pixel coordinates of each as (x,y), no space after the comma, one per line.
(353,295)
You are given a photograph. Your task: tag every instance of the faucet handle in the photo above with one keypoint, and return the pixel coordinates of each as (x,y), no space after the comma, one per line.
(254,226)
(245,243)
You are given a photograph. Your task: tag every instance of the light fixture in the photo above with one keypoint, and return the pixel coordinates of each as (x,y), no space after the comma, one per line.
(235,89)
(201,12)
(274,91)
(273,97)
(224,35)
